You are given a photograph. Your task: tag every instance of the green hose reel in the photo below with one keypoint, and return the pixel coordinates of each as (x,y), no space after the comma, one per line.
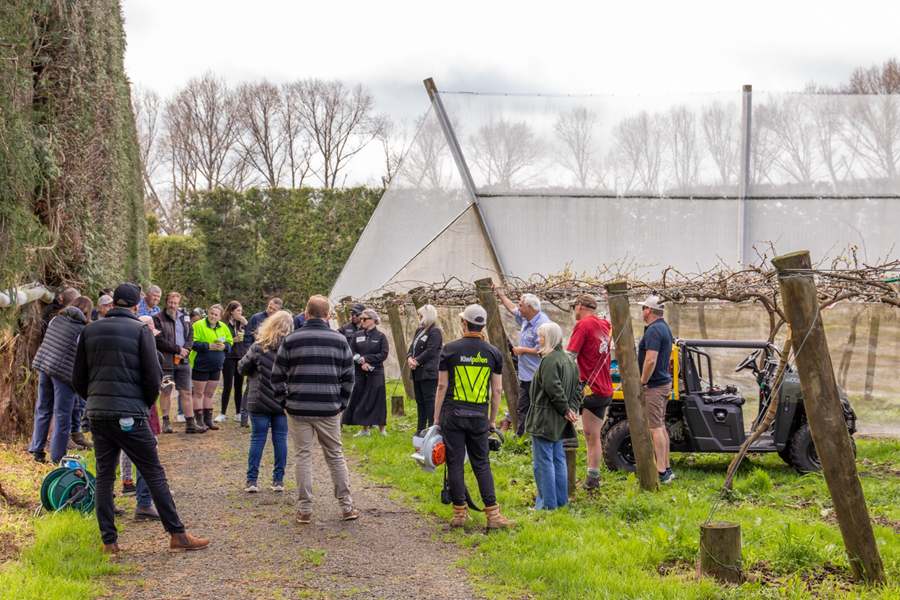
(70,485)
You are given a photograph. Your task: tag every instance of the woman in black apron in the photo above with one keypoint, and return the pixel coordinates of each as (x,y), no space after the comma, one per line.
(368,402)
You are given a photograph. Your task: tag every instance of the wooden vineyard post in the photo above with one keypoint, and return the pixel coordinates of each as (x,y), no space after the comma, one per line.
(497,336)
(417,295)
(397,409)
(720,551)
(620,314)
(825,415)
(400,345)
(571,450)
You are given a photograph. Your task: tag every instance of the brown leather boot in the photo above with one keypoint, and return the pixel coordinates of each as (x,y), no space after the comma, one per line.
(81,441)
(190,426)
(186,541)
(111,548)
(208,420)
(460,516)
(494,519)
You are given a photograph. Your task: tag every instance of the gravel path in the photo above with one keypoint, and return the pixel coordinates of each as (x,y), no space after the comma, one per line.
(257,549)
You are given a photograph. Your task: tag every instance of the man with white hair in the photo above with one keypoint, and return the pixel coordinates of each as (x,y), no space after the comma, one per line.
(654,353)
(529,317)
(149,304)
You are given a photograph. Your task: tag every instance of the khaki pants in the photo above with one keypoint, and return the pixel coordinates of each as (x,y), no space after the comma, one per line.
(304,430)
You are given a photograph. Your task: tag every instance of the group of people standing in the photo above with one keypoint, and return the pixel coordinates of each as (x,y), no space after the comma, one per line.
(307,380)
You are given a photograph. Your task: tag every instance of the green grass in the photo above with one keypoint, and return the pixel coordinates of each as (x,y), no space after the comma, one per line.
(60,557)
(617,542)
(63,562)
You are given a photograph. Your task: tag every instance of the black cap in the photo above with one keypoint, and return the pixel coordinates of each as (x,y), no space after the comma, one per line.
(127,295)
(357,309)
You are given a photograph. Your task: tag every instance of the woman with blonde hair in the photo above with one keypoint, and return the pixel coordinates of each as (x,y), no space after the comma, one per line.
(264,410)
(423,357)
(555,392)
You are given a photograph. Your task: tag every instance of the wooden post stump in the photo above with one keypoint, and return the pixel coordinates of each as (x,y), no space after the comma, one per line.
(825,414)
(620,314)
(720,551)
(343,311)
(497,336)
(397,409)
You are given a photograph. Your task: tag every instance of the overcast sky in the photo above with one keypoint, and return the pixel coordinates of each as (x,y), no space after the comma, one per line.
(551,46)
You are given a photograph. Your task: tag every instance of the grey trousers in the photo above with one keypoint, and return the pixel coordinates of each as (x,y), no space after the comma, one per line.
(304,431)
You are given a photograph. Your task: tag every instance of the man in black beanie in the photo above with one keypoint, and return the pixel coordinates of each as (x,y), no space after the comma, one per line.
(118,372)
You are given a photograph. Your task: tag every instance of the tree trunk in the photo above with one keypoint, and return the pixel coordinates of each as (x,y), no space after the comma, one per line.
(872,353)
(400,345)
(18,382)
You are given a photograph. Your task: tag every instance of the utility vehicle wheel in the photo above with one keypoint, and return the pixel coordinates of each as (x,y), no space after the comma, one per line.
(802,451)
(786,454)
(617,451)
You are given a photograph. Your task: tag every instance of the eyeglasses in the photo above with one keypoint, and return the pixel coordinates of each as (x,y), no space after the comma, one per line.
(365,318)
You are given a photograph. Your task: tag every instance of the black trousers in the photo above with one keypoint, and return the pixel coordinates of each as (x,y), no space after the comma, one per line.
(523,406)
(231,377)
(468,434)
(140,446)
(425,391)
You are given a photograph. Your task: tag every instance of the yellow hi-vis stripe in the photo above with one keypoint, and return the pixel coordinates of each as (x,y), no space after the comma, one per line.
(470,384)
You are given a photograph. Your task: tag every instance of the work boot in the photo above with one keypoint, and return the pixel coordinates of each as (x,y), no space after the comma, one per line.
(460,516)
(39,455)
(167,426)
(245,420)
(198,421)
(208,419)
(591,483)
(494,519)
(81,441)
(146,513)
(111,548)
(186,541)
(190,426)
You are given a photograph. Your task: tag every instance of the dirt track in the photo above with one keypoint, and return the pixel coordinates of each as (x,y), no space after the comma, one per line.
(257,549)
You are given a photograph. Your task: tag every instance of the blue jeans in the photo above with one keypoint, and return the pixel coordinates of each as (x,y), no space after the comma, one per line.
(78,413)
(550,474)
(55,400)
(260,425)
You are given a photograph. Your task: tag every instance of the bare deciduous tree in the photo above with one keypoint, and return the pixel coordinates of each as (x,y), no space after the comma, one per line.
(298,144)
(876,119)
(683,146)
(146,106)
(203,122)
(504,150)
(637,153)
(722,135)
(576,130)
(428,162)
(261,135)
(339,120)
(393,140)
(790,120)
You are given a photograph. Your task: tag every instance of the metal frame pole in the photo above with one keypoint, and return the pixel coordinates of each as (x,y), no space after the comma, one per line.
(746,129)
(463,167)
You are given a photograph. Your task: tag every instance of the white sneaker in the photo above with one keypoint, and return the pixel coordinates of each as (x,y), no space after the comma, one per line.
(277,487)
(251,488)
(219,418)
(237,418)
(362,433)
(384,432)
(179,418)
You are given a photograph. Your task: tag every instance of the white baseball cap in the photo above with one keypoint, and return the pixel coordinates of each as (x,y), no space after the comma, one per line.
(105,299)
(653,303)
(474,314)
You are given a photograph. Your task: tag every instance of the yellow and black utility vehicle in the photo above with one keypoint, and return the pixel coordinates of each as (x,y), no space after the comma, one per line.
(704,417)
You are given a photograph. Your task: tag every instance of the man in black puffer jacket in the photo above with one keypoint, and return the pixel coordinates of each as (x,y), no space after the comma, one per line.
(117,370)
